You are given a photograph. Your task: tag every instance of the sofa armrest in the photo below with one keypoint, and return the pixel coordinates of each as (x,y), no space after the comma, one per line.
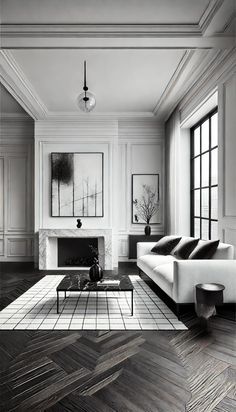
(188,273)
(143,248)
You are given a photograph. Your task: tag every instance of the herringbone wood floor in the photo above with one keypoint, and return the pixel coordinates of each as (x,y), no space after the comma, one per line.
(115,371)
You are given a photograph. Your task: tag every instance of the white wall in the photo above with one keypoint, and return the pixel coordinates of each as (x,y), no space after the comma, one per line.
(227,156)
(177,130)
(177,182)
(16,182)
(141,150)
(129,146)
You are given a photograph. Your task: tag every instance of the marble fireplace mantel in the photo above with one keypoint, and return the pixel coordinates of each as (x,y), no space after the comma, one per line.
(48,257)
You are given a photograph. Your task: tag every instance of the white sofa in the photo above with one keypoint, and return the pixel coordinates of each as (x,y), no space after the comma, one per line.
(177,278)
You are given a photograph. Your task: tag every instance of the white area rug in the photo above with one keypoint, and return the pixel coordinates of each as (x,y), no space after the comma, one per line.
(37,309)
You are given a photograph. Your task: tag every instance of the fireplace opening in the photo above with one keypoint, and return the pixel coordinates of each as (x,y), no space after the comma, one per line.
(77,251)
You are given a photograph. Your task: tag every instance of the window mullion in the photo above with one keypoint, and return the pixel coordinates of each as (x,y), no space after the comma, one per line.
(194,156)
(210,179)
(201,181)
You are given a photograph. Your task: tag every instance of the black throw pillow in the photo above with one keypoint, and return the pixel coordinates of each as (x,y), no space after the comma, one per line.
(165,245)
(183,251)
(205,250)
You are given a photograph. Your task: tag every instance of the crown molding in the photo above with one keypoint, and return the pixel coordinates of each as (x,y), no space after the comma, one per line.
(98,30)
(193,65)
(95,116)
(207,104)
(231,22)
(119,43)
(222,67)
(209,14)
(21,117)
(174,79)
(19,87)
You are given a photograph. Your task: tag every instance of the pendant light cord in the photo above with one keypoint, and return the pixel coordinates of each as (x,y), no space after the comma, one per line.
(85,85)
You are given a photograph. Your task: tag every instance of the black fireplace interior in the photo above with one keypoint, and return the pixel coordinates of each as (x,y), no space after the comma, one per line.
(77,251)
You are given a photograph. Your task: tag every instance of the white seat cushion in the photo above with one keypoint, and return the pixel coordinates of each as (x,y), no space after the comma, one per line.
(163,275)
(152,260)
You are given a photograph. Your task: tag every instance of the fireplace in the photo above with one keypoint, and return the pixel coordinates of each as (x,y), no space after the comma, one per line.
(49,253)
(79,252)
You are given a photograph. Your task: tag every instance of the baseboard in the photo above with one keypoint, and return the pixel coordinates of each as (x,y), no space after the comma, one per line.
(16,266)
(227,311)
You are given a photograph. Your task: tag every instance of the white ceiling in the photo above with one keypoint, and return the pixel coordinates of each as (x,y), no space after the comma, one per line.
(122,80)
(132,68)
(102,11)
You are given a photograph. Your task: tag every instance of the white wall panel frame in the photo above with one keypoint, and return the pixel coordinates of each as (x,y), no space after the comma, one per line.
(2,194)
(13,235)
(16,247)
(11,202)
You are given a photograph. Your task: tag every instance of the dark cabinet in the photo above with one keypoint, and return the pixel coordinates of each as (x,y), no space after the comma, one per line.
(134,239)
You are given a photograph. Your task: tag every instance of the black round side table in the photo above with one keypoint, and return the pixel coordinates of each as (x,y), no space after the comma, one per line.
(207,296)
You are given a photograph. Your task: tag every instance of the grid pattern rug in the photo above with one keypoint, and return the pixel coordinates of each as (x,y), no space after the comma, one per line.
(37,309)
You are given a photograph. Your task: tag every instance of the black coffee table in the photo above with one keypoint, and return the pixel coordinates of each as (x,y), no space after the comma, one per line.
(81,283)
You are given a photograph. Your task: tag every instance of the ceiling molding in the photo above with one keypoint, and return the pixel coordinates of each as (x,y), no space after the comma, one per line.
(206,105)
(120,43)
(209,14)
(221,68)
(190,71)
(37,31)
(14,115)
(98,30)
(19,87)
(174,79)
(231,22)
(95,116)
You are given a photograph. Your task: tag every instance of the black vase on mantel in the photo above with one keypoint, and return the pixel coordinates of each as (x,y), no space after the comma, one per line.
(79,223)
(95,272)
(147,229)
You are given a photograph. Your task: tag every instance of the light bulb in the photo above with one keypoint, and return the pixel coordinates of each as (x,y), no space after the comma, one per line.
(86,105)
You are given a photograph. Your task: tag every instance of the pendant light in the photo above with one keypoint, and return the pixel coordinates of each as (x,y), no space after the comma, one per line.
(86,100)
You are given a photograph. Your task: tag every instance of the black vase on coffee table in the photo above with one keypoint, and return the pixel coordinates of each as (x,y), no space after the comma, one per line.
(95,272)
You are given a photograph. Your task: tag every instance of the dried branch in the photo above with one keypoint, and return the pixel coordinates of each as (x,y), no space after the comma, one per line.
(147,206)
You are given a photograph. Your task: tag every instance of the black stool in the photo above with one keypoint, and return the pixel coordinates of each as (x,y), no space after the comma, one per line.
(207,296)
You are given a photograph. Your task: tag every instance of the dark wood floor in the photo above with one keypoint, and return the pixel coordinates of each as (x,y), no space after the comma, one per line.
(109,371)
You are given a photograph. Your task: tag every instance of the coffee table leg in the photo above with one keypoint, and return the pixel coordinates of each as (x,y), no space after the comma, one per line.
(57,302)
(132,303)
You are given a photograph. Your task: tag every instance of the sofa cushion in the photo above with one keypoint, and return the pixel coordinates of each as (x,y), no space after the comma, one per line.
(165,245)
(224,251)
(163,276)
(151,261)
(185,248)
(205,250)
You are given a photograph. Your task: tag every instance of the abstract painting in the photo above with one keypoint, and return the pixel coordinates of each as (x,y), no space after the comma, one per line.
(77,184)
(145,198)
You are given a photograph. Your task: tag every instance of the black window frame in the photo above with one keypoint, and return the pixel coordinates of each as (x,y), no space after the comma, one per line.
(210,185)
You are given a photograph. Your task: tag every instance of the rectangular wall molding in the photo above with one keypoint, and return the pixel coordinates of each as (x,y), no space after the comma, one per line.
(1,247)
(16,201)
(16,247)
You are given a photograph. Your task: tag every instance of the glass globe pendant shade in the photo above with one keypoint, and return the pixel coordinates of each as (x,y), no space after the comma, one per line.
(86,102)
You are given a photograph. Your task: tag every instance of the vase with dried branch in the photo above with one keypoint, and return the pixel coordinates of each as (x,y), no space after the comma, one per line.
(146,207)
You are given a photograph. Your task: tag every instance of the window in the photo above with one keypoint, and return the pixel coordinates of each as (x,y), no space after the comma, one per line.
(204,177)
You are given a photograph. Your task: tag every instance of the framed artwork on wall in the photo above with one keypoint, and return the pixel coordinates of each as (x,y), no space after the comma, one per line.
(145,199)
(77,184)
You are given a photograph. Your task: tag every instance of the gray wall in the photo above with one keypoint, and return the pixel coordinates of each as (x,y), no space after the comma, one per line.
(16,181)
